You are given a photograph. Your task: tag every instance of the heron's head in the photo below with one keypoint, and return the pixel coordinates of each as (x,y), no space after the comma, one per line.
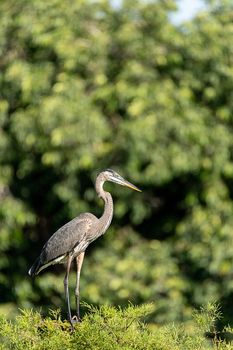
(113,176)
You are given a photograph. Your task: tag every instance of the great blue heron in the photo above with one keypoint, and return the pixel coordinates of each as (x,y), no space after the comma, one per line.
(71,240)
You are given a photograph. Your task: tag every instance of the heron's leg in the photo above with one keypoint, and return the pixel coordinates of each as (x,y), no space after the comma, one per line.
(66,286)
(79,262)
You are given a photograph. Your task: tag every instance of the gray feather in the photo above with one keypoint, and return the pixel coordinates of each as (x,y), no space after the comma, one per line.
(64,241)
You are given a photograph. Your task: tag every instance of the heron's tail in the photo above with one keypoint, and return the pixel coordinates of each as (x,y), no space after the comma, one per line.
(35,269)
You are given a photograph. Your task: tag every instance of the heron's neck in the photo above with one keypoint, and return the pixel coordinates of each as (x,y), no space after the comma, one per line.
(106,218)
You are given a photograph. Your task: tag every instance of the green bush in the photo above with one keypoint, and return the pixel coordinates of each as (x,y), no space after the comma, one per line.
(85,86)
(109,328)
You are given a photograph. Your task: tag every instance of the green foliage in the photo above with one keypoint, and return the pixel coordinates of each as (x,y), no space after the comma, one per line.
(107,328)
(85,86)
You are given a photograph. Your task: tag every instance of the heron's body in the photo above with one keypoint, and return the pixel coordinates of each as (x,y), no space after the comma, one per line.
(75,236)
(71,240)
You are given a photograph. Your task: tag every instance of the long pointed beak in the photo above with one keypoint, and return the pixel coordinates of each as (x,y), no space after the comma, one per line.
(121,181)
(128,184)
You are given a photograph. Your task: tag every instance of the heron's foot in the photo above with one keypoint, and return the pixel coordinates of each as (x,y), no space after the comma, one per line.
(76,319)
